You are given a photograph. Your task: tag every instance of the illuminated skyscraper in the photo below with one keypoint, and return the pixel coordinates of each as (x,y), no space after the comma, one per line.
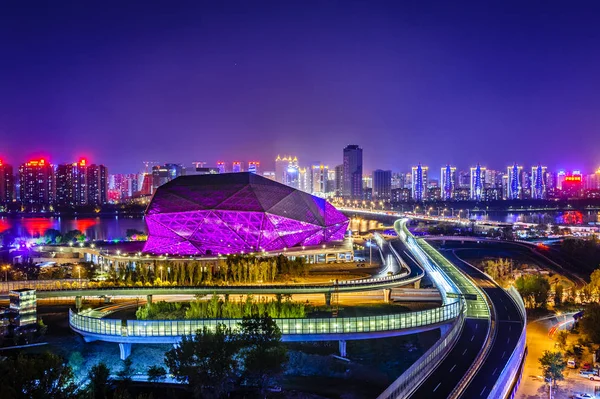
(221,167)
(287,171)
(71,184)
(339,180)
(447,183)
(253,167)
(539,182)
(165,173)
(477,183)
(352,174)
(318,179)
(6,183)
(97,185)
(382,185)
(514,183)
(560,178)
(237,167)
(419,182)
(37,183)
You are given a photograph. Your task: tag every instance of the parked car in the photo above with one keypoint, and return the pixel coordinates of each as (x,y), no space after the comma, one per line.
(586,366)
(583,396)
(571,363)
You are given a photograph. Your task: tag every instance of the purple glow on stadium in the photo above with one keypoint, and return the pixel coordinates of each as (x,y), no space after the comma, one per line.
(231,213)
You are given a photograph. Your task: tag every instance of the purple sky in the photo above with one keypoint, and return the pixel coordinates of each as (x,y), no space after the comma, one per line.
(435,82)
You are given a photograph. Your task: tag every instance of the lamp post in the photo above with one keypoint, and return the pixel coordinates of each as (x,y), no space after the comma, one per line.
(161,275)
(5,268)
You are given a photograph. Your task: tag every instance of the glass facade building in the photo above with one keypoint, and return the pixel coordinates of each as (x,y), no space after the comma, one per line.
(234,213)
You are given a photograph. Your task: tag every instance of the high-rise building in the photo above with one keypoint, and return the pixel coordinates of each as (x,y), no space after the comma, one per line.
(253,167)
(71,184)
(514,182)
(221,166)
(560,178)
(382,185)
(97,184)
(572,185)
(447,183)
(419,182)
(7,181)
(397,180)
(303,180)
(162,174)
(318,179)
(287,171)
(37,184)
(237,167)
(493,179)
(477,183)
(352,174)
(592,182)
(339,180)
(464,179)
(539,182)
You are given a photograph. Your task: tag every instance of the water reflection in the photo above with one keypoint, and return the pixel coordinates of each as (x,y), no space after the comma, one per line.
(94,228)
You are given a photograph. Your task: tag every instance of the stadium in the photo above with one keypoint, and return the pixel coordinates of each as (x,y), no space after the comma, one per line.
(234,213)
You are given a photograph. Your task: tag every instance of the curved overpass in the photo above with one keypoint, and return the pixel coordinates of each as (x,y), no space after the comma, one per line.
(127,332)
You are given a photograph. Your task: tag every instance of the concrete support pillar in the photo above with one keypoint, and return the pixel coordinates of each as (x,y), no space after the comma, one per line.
(342,345)
(328,298)
(78,302)
(387,295)
(417,284)
(107,299)
(149,298)
(125,350)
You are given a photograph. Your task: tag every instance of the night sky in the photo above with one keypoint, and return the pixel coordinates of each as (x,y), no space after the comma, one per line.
(460,82)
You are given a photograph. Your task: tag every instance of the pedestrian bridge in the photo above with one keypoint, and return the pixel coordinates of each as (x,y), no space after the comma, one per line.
(127,332)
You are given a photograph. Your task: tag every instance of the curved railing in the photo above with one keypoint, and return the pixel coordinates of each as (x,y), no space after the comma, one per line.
(415,374)
(508,381)
(105,328)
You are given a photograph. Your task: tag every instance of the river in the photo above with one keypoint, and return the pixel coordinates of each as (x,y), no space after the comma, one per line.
(95,228)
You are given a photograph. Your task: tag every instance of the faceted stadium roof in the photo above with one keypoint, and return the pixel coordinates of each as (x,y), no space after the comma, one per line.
(235,212)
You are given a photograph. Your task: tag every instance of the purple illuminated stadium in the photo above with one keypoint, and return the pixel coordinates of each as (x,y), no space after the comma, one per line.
(235,212)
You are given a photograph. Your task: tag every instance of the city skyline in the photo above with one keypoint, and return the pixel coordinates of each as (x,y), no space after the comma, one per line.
(213,81)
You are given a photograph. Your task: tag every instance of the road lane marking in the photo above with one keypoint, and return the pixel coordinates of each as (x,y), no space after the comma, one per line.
(452,368)
(465,351)
(503,353)
(507,340)
(437,386)
(496,369)
(472,338)
(483,390)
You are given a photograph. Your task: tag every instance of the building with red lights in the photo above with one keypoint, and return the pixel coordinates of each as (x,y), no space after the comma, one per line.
(71,184)
(37,183)
(572,185)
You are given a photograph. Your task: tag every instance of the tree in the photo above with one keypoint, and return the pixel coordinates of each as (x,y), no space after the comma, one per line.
(552,365)
(534,289)
(156,373)
(561,339)
(44,376)
(126,373)
(99,381)
(264,354)
(558,294)
(590,323)
(206,361)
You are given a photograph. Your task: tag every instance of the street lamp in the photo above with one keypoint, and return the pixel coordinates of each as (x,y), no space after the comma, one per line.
(161,276)
(5,268)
